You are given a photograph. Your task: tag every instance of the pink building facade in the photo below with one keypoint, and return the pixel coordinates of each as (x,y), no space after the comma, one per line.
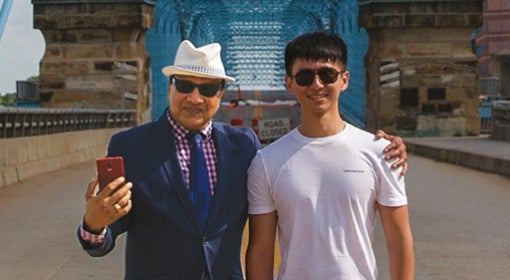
(493,50)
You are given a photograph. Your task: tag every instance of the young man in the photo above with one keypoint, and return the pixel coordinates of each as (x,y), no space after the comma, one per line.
(323,184)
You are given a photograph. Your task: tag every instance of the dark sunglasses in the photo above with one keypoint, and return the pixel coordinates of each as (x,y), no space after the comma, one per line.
(306,77)
(206,89)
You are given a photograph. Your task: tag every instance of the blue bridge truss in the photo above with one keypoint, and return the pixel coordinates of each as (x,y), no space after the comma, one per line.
(253,35)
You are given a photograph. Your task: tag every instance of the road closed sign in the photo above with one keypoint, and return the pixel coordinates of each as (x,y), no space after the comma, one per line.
(273,128)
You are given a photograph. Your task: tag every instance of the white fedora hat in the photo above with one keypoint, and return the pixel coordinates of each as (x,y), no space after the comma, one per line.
(201,62)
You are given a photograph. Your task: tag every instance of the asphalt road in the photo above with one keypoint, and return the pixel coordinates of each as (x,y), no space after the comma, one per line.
(38,220)
(460,220)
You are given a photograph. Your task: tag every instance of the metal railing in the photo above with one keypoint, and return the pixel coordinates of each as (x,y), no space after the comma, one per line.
(485,117)
(21,122)
(501,112)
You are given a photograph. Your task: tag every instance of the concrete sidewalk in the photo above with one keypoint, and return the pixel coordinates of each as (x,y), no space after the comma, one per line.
(38,216)
(480,153)
(38,219)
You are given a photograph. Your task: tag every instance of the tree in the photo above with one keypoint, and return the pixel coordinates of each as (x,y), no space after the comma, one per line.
(33,79)
(8,99)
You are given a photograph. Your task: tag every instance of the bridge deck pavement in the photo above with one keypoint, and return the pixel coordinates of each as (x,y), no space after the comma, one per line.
(38,218)
(480,152)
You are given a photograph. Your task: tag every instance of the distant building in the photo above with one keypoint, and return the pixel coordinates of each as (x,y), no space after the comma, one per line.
(27,94)
(492,47)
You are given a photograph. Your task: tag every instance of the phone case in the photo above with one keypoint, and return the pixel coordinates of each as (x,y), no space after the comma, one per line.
(109,169)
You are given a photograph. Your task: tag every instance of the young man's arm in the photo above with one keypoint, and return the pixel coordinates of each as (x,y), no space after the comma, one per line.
(399,240)
(261,244)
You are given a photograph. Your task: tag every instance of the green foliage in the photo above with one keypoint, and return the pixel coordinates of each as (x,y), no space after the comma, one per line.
(8,99)
(33,79)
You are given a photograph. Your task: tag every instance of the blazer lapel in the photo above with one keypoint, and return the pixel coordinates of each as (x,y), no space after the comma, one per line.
(165,145)
(224,154)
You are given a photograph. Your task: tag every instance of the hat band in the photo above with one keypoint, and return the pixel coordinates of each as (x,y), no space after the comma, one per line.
(203,69)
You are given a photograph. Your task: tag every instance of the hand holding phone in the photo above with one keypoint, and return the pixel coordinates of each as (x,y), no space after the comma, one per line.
(109,169)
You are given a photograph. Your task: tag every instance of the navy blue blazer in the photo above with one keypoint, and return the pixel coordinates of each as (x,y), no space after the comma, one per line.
(164,240)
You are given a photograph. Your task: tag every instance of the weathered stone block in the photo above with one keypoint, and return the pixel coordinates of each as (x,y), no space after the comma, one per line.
(426,123)
(126,81)
(65,68)
(462,50)
(439,50)
(451,20)
(393,50)
(89,36)
(453,126)
(124,35)
(129,21)
(53,52)
(89,51)
(125,51)
(48,23)
(414,20)
(52,81)
(473,124)
(52,36)
(408,123)
(393,21)
(468,6)
(475,20)
(90,82)
(456,94)
(421,8)
(388,102)
(88,21)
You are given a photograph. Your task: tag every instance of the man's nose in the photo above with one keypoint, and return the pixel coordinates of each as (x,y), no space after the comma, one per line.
(195,96)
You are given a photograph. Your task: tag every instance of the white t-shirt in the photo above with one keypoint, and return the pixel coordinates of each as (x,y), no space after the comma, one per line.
(325,192)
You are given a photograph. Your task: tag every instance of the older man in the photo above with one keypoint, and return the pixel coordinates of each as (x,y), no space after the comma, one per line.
(167,237)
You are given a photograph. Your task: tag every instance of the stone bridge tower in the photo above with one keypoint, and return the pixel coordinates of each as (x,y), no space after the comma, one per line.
(95,54)
(420,67)
(421,74)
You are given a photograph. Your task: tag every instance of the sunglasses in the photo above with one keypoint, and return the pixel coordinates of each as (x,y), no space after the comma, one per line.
(306,77)
(206,89)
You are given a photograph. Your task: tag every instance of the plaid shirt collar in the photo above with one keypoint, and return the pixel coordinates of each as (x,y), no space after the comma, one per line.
(180,132)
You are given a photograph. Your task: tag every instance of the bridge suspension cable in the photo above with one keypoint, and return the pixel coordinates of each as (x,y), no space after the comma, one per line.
(4,14)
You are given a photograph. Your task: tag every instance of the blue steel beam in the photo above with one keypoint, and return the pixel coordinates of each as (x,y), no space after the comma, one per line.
(253,35)
(4,15)
(152,2)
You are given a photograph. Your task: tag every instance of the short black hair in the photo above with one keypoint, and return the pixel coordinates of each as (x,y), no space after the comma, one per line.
(315,46)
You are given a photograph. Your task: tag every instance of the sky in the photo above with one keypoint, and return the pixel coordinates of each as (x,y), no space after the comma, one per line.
(21,47)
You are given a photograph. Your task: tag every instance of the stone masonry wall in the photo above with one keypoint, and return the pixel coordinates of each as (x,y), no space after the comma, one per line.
(421,71)
(95,56)
(25,157)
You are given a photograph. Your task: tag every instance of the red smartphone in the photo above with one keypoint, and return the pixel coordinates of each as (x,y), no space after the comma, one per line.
(109,169)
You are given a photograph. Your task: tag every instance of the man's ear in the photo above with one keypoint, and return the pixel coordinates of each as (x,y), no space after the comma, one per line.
(221,93)
(345,79)
(288,84)
(169,91)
